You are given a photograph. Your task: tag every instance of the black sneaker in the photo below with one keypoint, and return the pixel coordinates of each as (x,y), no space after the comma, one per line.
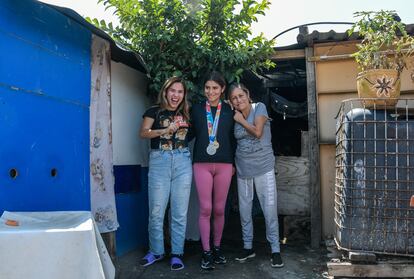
(276,260)
(207,260)
(219,258)
(246,254)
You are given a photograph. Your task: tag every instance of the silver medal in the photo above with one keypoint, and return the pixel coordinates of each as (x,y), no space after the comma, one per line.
(211,150)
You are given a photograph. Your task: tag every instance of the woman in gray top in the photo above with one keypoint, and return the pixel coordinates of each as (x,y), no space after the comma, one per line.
(255,164)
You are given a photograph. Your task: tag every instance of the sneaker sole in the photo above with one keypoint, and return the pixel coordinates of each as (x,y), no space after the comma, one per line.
(222,262)
(277,265)
(207,267)
(246,258)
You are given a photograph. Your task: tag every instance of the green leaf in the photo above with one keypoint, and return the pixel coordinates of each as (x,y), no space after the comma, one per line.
(102,23)
(177,73)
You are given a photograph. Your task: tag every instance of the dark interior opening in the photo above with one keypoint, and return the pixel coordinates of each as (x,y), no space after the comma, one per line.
(283,90)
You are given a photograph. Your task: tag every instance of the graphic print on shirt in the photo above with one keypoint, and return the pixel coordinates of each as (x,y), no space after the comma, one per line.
(176,140)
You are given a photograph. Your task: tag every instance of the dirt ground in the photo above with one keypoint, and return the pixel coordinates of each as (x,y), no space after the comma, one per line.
(300,260)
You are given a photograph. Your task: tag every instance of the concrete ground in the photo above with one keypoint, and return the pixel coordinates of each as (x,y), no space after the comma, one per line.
(300,260)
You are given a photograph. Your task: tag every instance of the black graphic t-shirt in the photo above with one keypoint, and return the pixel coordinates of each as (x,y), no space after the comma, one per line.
(162,119)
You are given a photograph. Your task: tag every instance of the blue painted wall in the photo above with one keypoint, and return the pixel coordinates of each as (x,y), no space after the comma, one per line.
(44,109)
(131,187)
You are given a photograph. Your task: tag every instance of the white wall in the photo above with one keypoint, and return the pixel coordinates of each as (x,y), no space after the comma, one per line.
(129,102)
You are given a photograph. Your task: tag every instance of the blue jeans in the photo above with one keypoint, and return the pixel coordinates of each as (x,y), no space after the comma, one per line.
(169,178)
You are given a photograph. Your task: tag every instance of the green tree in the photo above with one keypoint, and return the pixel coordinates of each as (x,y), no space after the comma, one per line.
(189,38)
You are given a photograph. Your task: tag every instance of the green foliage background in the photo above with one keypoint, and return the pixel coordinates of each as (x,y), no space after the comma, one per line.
(191,38)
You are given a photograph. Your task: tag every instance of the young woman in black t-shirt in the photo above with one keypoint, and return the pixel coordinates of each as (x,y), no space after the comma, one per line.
(170,172)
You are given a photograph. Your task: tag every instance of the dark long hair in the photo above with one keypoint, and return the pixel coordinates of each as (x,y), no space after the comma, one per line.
(183,108)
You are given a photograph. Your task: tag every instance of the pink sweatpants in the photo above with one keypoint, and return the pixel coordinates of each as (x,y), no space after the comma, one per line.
(213,183)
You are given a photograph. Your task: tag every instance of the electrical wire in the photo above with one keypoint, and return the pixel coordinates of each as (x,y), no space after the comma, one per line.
(313,23)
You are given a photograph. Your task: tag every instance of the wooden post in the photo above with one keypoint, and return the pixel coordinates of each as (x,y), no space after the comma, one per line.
(315,188)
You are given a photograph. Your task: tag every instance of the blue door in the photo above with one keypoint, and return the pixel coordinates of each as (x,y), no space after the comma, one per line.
(44,109)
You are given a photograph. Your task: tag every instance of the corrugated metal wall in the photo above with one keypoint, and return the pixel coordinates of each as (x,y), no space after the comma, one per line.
(44,109)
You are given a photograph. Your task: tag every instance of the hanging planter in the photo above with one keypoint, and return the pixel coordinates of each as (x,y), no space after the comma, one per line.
(384,84)
(382,55)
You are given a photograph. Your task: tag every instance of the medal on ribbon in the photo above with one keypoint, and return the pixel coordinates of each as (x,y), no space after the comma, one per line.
(212,128)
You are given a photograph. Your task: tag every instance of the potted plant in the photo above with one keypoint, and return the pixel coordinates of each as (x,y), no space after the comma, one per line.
(382,55)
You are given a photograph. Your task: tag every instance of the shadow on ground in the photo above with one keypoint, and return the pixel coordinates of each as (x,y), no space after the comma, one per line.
(300,260)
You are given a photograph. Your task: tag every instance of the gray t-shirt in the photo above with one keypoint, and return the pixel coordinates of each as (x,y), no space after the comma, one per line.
(254,156)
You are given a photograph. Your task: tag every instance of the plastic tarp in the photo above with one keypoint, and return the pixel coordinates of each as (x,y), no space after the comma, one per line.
(62,244)
(288,108)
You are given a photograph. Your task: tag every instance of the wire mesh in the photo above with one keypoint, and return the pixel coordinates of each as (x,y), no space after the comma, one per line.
(375,177)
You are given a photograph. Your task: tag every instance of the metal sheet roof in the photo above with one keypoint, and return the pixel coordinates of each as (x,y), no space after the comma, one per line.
(304,40)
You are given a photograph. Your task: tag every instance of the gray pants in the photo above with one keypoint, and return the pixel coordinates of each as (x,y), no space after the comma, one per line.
(266,192)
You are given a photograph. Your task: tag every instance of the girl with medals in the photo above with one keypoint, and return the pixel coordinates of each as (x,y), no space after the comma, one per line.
(213,124)
(255,163)
(170,172)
